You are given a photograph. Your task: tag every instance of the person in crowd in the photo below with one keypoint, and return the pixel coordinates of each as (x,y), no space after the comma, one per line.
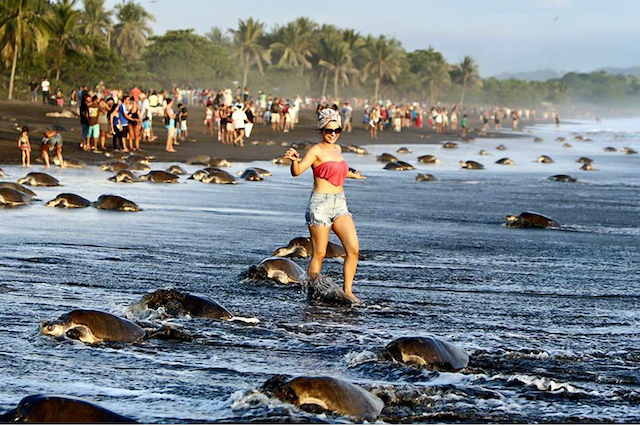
(248,126)
(33,88)
(25,146)
(146,129)
(208,120)
(51,140)
(45,86)
(116,129)
(134,124)
(184,114)
(103,121)
(93,115)
(238,117)
(170,125)
(124,117)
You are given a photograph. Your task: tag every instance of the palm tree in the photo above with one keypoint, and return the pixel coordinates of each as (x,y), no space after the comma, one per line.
(437,78)
(248,47)
(355,43)
(218,37)
(22,27)
(336,58)
(382,60)
(130,34)
(295,46)
(96,20)
(64,23)
(467,73)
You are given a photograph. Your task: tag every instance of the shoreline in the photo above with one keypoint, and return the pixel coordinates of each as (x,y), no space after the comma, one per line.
(19,113)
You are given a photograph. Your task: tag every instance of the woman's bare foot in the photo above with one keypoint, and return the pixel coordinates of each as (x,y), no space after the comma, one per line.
(353,297)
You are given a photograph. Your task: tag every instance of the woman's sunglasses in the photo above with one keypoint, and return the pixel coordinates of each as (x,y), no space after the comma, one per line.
(336,131)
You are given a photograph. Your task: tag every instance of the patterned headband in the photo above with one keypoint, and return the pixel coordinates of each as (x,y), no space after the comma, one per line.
(327,115)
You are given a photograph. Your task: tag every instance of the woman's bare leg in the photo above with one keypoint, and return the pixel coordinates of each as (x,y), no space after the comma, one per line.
(319,241)
(345,229)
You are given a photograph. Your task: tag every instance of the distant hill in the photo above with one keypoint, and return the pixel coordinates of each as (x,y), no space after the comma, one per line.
(625,71)
(540,75)
(548,74)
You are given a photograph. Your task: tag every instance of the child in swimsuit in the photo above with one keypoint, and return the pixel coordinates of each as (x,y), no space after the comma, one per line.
(25,147)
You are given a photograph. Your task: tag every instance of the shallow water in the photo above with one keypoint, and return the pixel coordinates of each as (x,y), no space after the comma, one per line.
(549,317)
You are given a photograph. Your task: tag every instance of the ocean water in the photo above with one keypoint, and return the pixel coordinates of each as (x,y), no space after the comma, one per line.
(550,318)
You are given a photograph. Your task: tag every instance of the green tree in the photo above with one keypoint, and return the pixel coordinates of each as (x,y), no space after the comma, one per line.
(64,24)
(219,38)
(248,45)
(336,58)
(96,20)
(184,58)
(131,32)
(467,74)
(382,60)
(294,45)
(22,29)
(433,71)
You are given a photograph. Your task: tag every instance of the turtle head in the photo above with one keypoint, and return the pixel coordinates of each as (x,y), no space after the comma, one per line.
(52,328)
(510,218)
(463,164)
(130,207)
(281,252)
(278,387)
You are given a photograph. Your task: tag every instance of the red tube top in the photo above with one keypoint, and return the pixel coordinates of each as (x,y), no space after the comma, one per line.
(333,171)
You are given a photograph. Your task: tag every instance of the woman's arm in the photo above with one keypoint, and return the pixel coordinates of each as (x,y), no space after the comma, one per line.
(299,166)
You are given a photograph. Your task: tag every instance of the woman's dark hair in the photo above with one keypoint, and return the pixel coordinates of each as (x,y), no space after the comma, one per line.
(24,129)
(169,100)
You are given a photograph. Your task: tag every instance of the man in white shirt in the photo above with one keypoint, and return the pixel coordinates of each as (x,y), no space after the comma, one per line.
(238,117)
(45,90)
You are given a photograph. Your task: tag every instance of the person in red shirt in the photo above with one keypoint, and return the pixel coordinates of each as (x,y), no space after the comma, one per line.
(135,92)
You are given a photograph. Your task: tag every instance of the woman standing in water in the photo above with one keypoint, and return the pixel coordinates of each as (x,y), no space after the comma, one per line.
(327,207)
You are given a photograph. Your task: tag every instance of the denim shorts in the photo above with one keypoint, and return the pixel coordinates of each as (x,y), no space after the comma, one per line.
(324,209)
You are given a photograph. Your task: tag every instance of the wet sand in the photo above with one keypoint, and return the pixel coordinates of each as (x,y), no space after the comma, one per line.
(14,114)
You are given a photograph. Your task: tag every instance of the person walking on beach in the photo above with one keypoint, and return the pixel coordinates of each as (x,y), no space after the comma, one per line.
(347,112)
(327,208)
(238,117)
(208,120)
(25,146)
(374,118)
(170,125)
(94,127)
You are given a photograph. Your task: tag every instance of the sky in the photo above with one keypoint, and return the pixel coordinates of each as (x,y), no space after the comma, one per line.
(502,36)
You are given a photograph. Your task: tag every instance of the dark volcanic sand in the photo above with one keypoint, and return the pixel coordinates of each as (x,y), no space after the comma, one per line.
(14,114)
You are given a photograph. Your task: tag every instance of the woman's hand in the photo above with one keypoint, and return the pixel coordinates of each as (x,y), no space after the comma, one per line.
(355,175)
(292,154)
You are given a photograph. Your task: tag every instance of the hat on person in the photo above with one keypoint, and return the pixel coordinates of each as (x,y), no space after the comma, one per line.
(327,115)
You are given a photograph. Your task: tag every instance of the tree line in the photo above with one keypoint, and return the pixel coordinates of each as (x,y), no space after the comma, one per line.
(80,43)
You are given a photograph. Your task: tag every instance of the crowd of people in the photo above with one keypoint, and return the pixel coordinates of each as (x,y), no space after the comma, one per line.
(126,118)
